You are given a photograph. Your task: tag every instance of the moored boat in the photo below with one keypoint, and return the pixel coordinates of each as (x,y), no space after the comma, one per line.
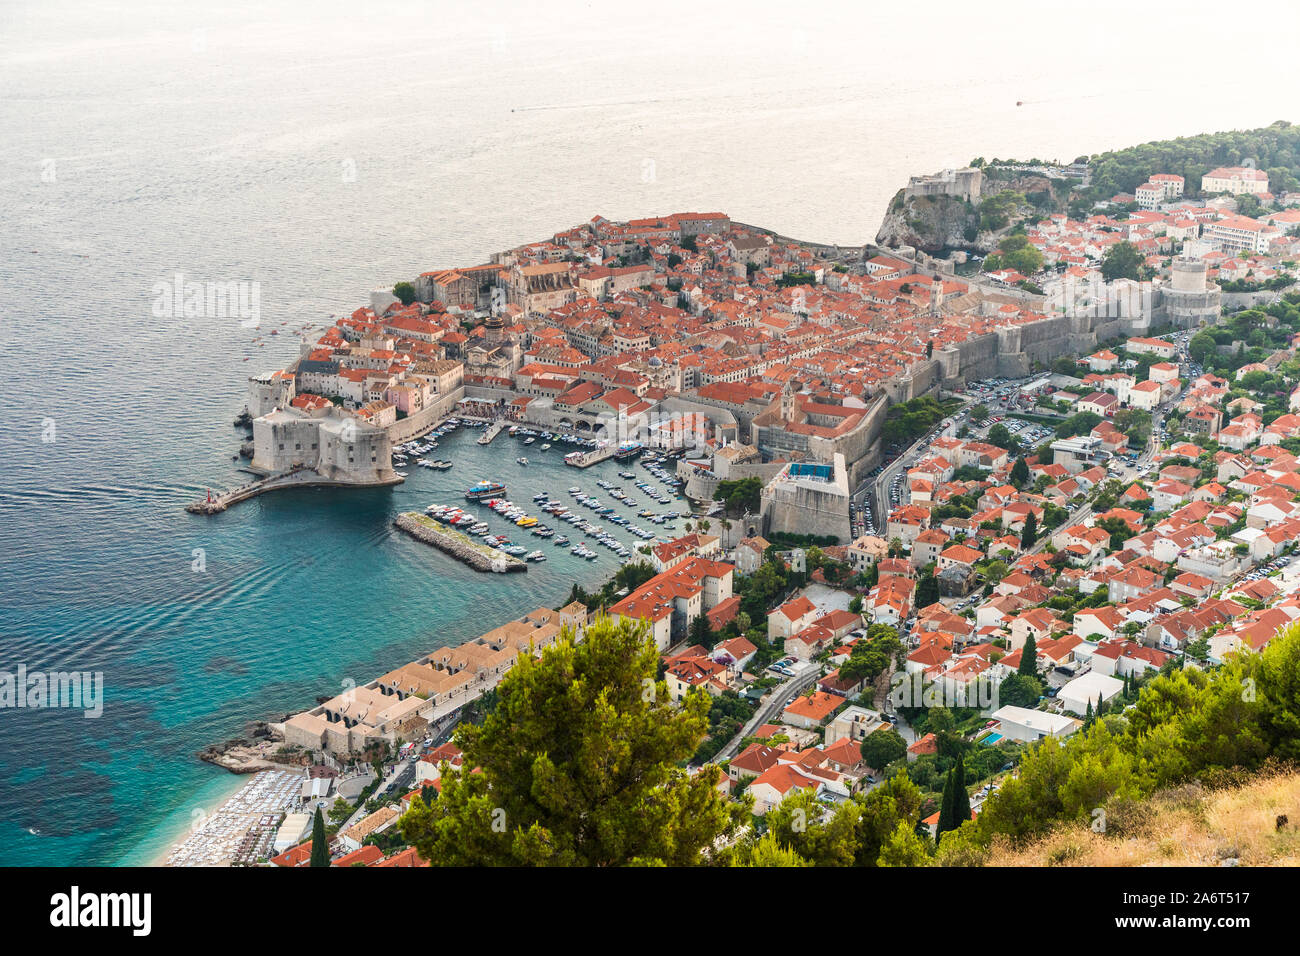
(484,490)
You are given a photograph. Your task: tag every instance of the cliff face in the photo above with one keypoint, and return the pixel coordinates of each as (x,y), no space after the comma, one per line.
(929,223)
(939,222)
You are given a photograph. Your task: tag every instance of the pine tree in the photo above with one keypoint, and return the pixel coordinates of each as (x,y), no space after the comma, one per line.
(582,765)
(1029,658)
(1087,715)
(1030,534)
(320,847)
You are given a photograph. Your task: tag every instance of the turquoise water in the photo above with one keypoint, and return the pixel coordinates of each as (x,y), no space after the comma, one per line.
(302,591)
(323,149)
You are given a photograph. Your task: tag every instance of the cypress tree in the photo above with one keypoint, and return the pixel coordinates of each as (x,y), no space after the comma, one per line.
(1030,534)
(945,807)
(320,848)
(1020,473)
(1029,658)
(960,798)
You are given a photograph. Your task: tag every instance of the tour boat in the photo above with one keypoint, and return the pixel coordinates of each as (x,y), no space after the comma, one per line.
(628,450)
(485,489)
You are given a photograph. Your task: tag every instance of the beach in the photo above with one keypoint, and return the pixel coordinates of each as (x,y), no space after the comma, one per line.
(242,828)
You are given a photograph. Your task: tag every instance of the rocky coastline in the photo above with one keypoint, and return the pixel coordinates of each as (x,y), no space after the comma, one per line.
(259,749)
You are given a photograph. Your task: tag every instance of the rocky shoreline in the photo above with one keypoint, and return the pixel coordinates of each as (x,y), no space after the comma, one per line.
(478,556)
(252,753)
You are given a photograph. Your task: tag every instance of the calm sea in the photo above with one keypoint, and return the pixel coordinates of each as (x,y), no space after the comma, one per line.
(324,149)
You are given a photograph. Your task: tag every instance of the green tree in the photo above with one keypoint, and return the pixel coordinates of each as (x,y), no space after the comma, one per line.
(960,795)
(1030,533)
(1020,473)
(1201,346)
(320,846)
(1019,690)
(1121,261)
(405,292)
(895,802)
(802,824)
(903,848)
(1001,436)
(1026,260)
(927,590)
(947,804)
(580,765)
(1029,658)
(883,747)
(702,632)
(740,495)
(768,852)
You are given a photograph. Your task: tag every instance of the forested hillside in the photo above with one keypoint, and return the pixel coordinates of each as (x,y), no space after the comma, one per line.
(1274,148)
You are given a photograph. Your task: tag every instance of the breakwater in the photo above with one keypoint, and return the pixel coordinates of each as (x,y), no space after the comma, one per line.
(297,478)
(460,546)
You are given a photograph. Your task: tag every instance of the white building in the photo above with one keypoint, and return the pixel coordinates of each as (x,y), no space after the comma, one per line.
(1025,725)
(1082,691)
(1235,180)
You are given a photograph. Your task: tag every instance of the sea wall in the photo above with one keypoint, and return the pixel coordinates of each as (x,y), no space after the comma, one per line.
(422,421)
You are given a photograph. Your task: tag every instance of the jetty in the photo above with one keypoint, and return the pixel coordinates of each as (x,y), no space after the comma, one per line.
(297,478)
(588,458)
(493,430)
(460,546)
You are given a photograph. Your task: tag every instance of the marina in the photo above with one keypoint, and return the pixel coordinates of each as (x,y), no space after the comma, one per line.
(617,516)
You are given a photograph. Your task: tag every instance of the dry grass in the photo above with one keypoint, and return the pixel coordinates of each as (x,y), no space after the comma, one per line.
(1188,826)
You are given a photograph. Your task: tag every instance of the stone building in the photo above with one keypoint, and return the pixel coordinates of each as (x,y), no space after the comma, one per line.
(808,499)
(1190,300)
(335,444)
